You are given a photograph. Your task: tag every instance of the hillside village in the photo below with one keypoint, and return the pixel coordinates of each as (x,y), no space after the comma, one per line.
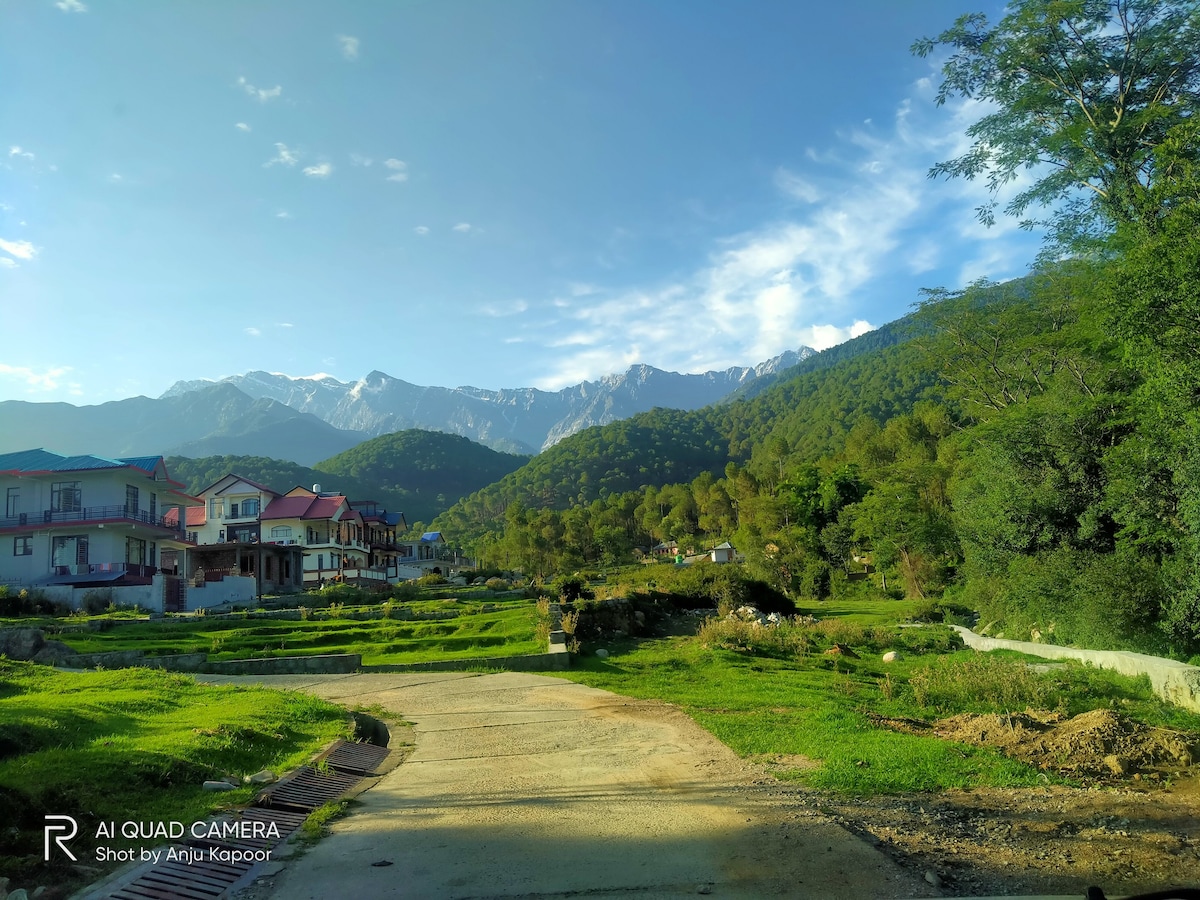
(80,523)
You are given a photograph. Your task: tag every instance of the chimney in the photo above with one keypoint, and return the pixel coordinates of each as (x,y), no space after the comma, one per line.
(316,489)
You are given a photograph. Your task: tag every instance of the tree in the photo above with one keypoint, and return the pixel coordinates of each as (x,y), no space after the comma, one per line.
(1084,91)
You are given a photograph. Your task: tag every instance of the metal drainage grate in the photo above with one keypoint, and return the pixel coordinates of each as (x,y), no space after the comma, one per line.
(306,789)
(202,880)
(361,759)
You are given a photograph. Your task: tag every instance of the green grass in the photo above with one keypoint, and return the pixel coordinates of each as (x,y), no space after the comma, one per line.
(770,698)
(135,745)
(469,629)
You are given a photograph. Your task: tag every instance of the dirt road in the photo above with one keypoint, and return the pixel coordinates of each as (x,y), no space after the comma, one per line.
(527,786)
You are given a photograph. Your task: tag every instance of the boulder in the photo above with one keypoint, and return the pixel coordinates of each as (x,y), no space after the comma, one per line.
(54,653)
(602,653)
(891,656)
(21,643)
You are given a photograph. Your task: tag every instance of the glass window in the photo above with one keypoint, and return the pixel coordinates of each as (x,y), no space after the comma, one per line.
(131,500)
(23,546)
(14,500)
(65,496)
(281,532)
(250,507)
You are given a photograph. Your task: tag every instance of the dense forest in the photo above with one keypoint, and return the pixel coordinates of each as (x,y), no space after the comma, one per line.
(1031,450)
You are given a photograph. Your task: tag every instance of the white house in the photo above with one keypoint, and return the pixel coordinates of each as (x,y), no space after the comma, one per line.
(76,522)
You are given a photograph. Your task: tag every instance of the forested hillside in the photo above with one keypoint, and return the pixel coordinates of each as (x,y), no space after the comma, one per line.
(419,473)
(1031,451)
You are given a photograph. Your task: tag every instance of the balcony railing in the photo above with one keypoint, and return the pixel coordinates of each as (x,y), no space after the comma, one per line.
(85,514)
(135,569)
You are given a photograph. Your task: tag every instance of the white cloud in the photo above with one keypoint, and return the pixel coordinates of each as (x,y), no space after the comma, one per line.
(283,156)
(462,227)
(867,216)
(357,159)
(242,126)
(6,263)
(71,6)
(262,95)
(796,187)
(116,178)
(397,168)
(422,230)
(497,311)
(252,331)
(348,45)
(19,153)
(285,325)
(321,171)
(46,380)
(283,214)
(19,249)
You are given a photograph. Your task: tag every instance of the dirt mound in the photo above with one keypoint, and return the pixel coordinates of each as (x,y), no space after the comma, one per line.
(1097,744)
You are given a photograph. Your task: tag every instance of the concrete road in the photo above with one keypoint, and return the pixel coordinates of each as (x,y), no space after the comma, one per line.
(529,786)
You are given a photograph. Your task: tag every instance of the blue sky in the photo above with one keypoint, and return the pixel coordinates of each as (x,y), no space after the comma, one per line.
(498,194)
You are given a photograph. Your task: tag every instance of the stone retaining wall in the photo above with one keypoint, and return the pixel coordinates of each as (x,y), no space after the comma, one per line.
(1175,682)
(537,662)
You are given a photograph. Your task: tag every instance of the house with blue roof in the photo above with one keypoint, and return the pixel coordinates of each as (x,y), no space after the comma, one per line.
(83,522)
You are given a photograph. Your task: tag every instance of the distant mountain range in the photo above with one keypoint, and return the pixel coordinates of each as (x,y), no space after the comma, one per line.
(307,419)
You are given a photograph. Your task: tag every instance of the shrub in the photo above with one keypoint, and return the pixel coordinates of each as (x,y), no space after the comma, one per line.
(98,600)
(431,579)
(497,584)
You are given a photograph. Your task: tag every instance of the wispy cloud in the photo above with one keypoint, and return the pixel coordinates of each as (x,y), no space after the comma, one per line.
(44,380)
(421,230)
(116,178)
(283,214)
(19,249)
(262,95)
(285,325)
(796,187)
(463,227)
(252,331)
(71,6)
(242,126)
(357,159)
(283,157)
(6,263)
(866,215)
(348,45)
(319,171)
(397,168)
(17,152)
(496,310)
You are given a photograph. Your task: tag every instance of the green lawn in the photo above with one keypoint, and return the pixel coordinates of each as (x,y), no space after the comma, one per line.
(468,629)
(134,745)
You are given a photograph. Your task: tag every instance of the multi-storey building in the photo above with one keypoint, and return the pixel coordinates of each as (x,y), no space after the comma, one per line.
(86,522)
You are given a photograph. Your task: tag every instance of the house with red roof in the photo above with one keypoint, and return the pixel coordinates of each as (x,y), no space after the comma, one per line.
(331,532)
(77,523)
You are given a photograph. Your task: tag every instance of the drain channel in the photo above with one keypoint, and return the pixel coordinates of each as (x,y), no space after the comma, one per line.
(207,868)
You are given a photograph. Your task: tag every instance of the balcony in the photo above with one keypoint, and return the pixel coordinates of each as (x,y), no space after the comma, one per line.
(108,571)
(119,512)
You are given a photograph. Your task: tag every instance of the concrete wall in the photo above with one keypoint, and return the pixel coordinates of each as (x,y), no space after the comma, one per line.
(148,596)
(230,589)
(1175,682)
(330,664)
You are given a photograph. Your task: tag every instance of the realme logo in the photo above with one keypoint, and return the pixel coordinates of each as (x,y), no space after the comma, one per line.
(63,824)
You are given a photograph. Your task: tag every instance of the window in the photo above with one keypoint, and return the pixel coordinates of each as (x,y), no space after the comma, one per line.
(131,500)
(69,550)
(249,508)
(216,508)
(320,560)
(14,500)
(65,496)
(135,551)
(233,511)
(281,532)
(23,546)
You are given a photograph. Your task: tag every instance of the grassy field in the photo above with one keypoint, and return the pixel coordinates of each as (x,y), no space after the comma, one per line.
(780,695)
(134,745)
(453,629)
